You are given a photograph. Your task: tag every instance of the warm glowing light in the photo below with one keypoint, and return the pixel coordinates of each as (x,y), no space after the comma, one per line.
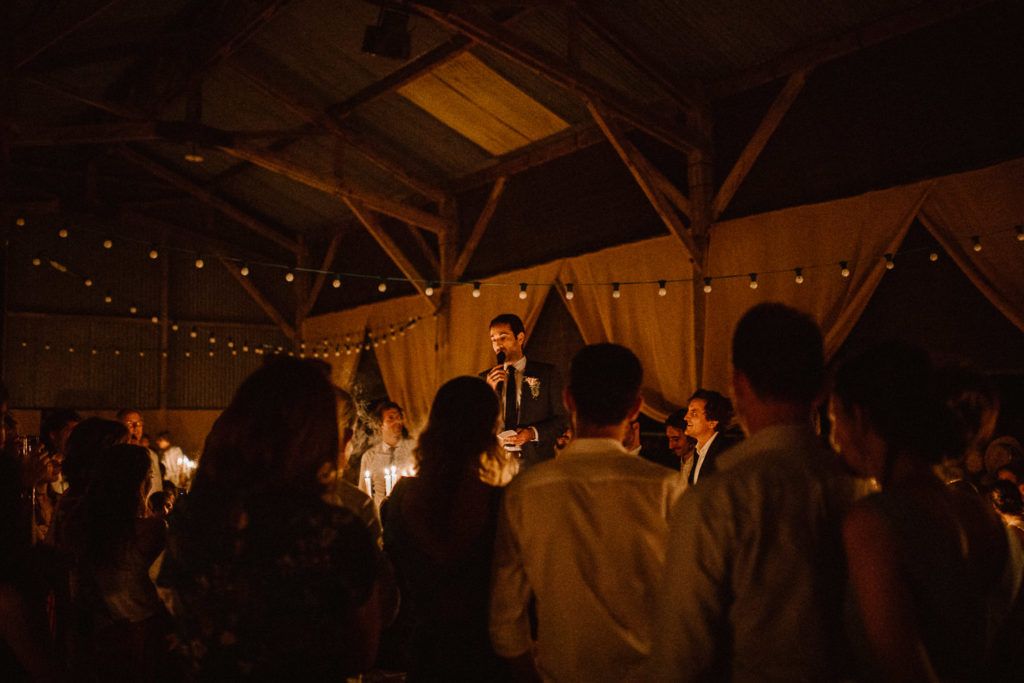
(976,243)
(615,290)
(476,290)
(889,263)
(799,276)
(707,285)
(662,291)
(382,286)
(199,262)
(844,269)
(569,294)
(753,280)
(289,276)
(62,233)
(108,243)
(88,282)
(522,290)
(337,282)
(244,270)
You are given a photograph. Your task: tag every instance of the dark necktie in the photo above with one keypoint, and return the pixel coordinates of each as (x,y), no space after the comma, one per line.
(693,470)
(511,414)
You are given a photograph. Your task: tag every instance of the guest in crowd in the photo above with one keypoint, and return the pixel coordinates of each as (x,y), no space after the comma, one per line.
(176,466)
(115,541)
(585,535)
(439,531)
(530,393)
(973,403)
(923,558)
(132,419)
(680,445)
(390,458)
(342,492)
(270,582)
(708,415)
(753,588)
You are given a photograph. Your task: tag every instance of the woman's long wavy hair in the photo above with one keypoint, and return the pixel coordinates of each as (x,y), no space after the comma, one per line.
(275,436)
(461,427)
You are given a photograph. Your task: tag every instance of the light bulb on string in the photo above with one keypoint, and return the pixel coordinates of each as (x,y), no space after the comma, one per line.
(193,333)
(245,346)
(133,309)
(337,282)
(337,350)
(93,351)
(289,276)
(244,270)
(933,257)
(707,285)
(844,269)
(71,349)
(117,352)
(753,280)
(476,290)
(199,261)
(429,290)
(382,286)
(154,253)
(213,338)
(615,290)
(662,291)
(889,263)
(87,282)
(174,327)
(210,353)
(1019,229)
(20,222)
(108,243)
(976,243)
(142,354)
(522,290)
(62,233)
(107,298)
(46,347)
(231,343)
(188,354)
(37,260)
(163,354)
(155,320)
(799,279)
(569,293)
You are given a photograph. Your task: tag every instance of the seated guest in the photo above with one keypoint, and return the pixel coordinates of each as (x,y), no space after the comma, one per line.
(115,542)
(390,458)
(923,558)
(584,534)
(439,532)
(708,415)
(270,582)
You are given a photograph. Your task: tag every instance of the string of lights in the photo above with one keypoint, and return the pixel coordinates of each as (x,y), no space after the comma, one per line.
(246,268)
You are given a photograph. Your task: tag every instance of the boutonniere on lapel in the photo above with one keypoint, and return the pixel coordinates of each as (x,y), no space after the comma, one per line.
(534,384)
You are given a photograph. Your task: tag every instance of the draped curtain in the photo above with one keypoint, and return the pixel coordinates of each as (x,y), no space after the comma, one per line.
(859,230)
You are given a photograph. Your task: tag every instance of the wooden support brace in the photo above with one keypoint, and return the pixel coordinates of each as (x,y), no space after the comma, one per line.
(479,227)
(258,297)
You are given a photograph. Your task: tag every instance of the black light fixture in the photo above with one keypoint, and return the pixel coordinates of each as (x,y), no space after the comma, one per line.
(390,36)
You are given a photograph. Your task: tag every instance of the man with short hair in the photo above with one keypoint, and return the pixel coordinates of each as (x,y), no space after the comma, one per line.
(754,586)
(678,443)
(530,393)
(389,459)
(132,419)
(708,414)
(585,535)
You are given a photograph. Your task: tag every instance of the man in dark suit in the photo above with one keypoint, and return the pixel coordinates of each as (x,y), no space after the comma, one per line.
(530,392)
(708,415)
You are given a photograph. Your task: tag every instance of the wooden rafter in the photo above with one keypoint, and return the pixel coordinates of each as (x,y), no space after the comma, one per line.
(321,276)
(757,142)
(136,131)
(74,94)
(209,198)
(917,17)
(370,151)
(642,171)
(394,252)
(685,96)
(497,37)
(421,241)
(30,44)
(561,144)
(258,297)
(482,221)
(334,186)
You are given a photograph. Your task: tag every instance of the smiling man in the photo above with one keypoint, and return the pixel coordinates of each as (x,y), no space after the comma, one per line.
(530,393)
(708,414)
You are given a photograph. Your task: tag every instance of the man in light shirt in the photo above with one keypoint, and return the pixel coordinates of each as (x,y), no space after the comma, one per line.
(389,459)
(585,535)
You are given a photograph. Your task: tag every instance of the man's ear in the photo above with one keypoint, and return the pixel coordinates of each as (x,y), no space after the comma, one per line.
(521,338)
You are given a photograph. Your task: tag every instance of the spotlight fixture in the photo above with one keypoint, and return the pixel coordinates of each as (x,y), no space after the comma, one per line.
(390,36)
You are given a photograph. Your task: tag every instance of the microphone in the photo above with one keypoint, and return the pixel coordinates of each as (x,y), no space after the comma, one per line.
(501,361)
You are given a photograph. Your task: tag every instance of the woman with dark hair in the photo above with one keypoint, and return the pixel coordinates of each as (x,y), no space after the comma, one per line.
(270,582)
(924,560)
(115,543)
(439,529)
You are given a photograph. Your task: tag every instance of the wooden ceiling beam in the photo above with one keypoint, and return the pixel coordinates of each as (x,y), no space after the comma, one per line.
(135,131)
(685,96)
(535,154)
(425,248)
(757,142)
(334,186)
(257,296)
(497,37)
(321,276)
(918,17)
(30,44)
(394,252)
(209,198)
(370,151)
(643,172)
(479,227)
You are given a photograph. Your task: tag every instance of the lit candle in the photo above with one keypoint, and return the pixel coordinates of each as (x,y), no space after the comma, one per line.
(387,482)
(369,484)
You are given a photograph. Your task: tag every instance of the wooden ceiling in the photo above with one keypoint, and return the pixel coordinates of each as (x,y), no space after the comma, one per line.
(319,156)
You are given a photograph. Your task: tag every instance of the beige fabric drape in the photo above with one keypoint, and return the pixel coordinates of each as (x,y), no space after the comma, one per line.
(334,327)
(859,230)
(986,203)
(407,363)
(658,329)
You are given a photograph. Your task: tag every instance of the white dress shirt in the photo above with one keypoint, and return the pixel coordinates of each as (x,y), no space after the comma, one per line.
(585,533)
(381,457)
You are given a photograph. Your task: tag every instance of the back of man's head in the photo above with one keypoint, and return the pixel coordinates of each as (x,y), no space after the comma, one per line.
(604,382)
(780,351)
(510,319)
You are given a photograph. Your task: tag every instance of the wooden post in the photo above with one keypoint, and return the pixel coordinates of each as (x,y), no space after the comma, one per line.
(449,253)
(700,176)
